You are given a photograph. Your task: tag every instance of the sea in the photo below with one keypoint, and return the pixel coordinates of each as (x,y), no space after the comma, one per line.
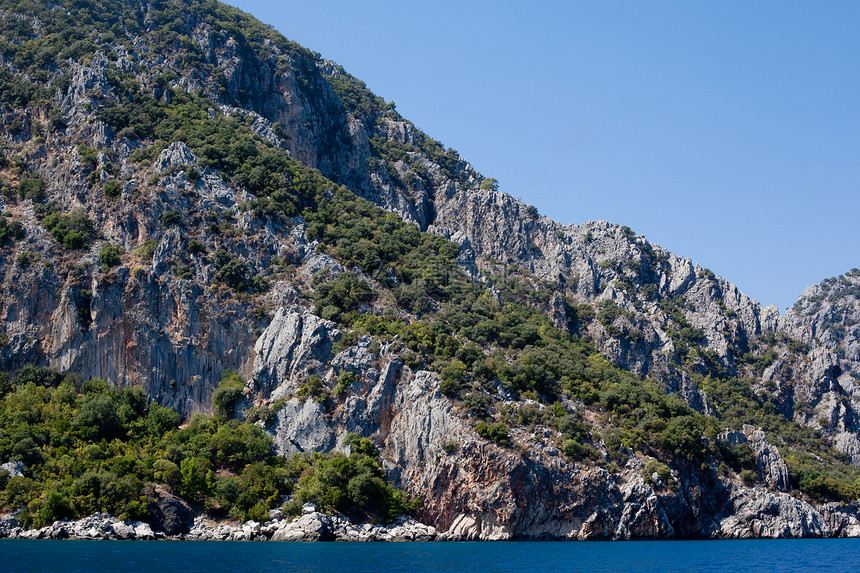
(837,555)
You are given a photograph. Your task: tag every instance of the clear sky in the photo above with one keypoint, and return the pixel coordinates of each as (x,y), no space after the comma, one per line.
(731,132)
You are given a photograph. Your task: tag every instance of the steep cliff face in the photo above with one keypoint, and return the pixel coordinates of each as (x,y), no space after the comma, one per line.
(200,248)
(139,324)
(670,305)
(477,490)
(827,389)
(144,324)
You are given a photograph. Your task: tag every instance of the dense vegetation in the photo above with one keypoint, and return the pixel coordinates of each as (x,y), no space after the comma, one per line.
(87,447)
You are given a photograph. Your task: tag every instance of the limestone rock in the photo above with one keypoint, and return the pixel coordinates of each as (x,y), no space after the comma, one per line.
(771,466)
(14,469)
(763,514)
(177,154)
(294,345)
(843,520)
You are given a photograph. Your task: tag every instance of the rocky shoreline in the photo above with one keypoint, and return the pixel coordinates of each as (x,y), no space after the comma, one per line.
(312,526)
(764,515)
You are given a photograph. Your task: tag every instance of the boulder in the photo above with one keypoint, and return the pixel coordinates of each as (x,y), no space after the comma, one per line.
(168,513)
(15,469)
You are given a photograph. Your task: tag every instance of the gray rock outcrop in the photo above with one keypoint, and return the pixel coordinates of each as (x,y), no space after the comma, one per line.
(760,514)
(771,466)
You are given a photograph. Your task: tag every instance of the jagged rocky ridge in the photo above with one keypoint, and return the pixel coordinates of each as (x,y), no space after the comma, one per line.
(168,326)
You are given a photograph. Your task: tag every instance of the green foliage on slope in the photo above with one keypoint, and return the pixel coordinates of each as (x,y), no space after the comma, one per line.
(88,447)
(354,485)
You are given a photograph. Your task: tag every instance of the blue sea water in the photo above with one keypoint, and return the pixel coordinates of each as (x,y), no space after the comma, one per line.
(837,555)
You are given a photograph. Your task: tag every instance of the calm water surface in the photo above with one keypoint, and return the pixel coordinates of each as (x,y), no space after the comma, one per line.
(837,555)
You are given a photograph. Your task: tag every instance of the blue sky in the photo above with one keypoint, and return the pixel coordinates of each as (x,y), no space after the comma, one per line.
(730,131)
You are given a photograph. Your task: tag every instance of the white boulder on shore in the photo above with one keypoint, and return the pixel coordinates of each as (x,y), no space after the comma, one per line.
(96,526)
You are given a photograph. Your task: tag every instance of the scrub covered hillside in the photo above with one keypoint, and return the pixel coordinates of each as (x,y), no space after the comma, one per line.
(208,225)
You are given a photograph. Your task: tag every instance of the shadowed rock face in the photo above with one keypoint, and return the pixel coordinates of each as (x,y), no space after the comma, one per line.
(169,514)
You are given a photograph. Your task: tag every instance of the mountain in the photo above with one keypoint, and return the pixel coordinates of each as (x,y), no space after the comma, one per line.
(200,209)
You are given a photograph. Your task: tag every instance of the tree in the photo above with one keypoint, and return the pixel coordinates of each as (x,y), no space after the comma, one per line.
(113,189)
(196,478)
(98,419)
(109,255)
(226,397)
(234,274)
(490,184)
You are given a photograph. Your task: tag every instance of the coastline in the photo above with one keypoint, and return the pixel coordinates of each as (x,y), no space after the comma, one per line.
(311,526)
(316,526)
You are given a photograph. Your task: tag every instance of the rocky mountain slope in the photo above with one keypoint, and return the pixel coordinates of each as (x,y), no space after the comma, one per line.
(180,189)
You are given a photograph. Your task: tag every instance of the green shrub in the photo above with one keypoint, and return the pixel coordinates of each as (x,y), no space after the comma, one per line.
(749,477)
(73,231)
(577,451)
(196,478)
(109,255)
(312,388)
(55,506)
(740,457)
(170,218)
(354,484)
(39,376)
(98,419)
(228,394)
(31,188)
(478,405)
(682,437)
(335,298)
(662,470)
(89,155)
(147,250)
(234,274)
(490,184)
(453,376)
(168,473)
(196,247)
(259,512)
(494,432)
(160,420)
(259,283)
(10,232)
(25,258)
(28,451)
(113,189)
(344,379)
